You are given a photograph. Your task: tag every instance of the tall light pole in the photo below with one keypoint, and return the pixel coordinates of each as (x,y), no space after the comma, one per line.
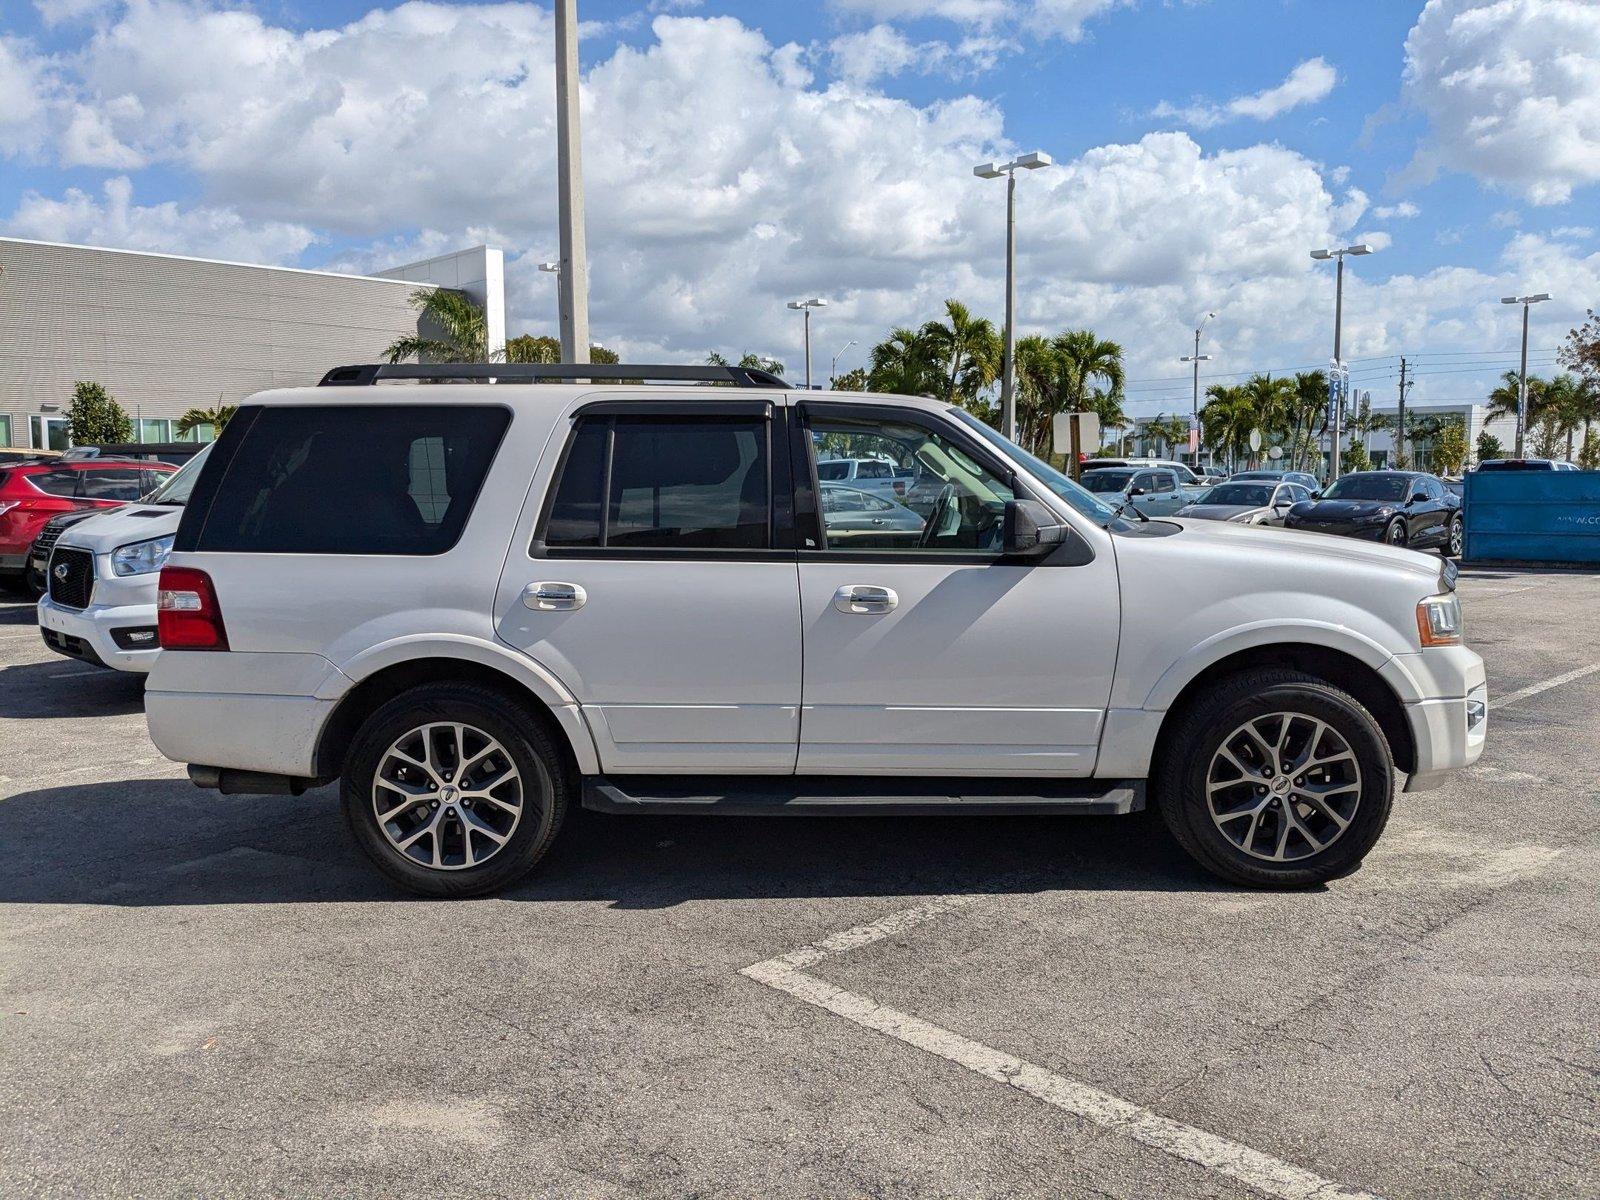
(1527,302)
(1338,329)
(806,306)
(1197,358)
(1008,366)
(833,370)
(574,265)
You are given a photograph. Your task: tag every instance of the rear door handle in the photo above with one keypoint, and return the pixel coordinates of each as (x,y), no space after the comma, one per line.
(864,599)
(554,597)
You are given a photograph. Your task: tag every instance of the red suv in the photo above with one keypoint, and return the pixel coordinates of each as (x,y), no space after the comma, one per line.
(33,491)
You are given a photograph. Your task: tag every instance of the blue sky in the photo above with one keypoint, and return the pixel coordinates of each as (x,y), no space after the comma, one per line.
(744,153)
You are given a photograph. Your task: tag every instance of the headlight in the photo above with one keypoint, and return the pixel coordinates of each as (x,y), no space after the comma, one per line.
(141,558)
(1243,518)
(1372,518)
(1439,620)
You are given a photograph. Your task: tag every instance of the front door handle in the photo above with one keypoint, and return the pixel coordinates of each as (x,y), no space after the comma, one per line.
(553,597)
(864,599)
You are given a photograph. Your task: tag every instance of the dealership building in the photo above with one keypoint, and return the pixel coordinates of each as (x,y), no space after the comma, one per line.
(164,334)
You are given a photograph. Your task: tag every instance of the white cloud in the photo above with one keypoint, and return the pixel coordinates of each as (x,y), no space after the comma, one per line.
(114,220)
(883,52)
(1308,83)
(1402,211)
(22,96)
(1064,19)
(1508,87)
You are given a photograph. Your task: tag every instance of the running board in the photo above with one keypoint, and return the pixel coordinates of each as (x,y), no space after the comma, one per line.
(815,795)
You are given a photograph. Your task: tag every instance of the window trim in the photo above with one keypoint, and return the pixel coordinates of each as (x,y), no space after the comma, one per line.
(780,520)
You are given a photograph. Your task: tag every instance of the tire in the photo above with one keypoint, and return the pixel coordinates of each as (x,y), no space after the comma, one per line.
(1394,533)
(1454,538)
(523,808)
(1192,778)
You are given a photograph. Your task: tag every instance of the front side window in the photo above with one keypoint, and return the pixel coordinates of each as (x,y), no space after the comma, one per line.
(940,497)
(664,483)
(354,479)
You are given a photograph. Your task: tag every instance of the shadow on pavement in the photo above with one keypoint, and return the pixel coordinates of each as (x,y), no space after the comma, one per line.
(165,842)
(65,687)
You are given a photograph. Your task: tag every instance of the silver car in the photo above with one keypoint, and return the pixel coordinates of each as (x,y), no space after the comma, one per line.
(1260,502)
(858,518)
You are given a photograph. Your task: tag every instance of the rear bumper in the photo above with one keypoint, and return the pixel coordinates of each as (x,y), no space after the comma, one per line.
(275,735)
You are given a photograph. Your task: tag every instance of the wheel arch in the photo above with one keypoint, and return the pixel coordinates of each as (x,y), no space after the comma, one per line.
(1337,665)
(383,675)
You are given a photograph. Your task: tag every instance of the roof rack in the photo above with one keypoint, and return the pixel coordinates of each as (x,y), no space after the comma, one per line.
(365,374)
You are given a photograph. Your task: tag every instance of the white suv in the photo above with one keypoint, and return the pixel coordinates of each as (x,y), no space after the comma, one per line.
(479,605)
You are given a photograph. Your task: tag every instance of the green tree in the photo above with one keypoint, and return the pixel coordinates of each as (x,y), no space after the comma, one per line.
(1489,446)
(94,418)
(901,363)
(1355,457)
(1581,351)
(966,350)
(1088,361)
(1227,419)
(750,362)
(1450,448)
(1589,453)
(457,330)
(529,348)
(1269,400)
(850,381)
(1306,416)
(1169,431)
(215,417)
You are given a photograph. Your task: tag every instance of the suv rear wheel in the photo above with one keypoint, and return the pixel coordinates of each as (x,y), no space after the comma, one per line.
(1275,778)
(454,790)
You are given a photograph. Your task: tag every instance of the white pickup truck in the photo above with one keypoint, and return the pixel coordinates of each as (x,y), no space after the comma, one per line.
(565,585)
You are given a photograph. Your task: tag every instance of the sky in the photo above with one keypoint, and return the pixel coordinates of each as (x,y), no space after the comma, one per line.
(739,155)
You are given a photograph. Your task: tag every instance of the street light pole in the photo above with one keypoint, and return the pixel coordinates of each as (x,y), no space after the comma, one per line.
(1197,358)
(574,266)
(1338,329)
(805,306)
(833,369)
(1008,366)
(1527,302)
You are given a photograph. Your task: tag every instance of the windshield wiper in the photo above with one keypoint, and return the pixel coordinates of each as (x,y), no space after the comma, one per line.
(1128,503)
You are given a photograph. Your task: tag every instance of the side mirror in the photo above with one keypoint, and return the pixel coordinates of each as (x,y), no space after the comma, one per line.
(1031,528)
(1417,497)
(1136,491)
(1316,495)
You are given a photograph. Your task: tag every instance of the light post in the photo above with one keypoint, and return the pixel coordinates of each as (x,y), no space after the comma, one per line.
(1338,323)
(1008,371)
(1527,302)
(573,275)
(806,306)
(1197,358)
(833,369)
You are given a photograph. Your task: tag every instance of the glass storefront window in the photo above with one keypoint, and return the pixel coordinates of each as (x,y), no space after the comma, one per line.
(154,429)
(5,430)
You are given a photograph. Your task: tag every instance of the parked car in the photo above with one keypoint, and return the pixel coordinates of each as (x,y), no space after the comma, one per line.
(18,456)
(39,553)
(1253,502)
(1402,508)
(1208,474)
(1155,493)
(1304,478)
(100,602)
(1185,476)
(859,518)
(544,594)
(176,453)
(31,493)
(876,475)
(1525,464)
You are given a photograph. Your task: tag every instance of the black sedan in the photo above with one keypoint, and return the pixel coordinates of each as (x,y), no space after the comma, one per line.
(1402,508)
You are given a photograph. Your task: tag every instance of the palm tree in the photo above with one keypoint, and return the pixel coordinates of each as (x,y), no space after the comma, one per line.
(1307,416)
(462,330)
(900,363)
(1271,400)
(1227,418)
(1168,430)
(750,362)
(1108,408)
(1084,359)
(1570,402)
(1038,372)
(215,417)
(966,349)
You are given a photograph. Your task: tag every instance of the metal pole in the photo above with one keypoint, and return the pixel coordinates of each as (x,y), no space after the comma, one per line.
(1338,409)
(1400,424)
(1522,387)
(1008,366)
(808,349)
(1197,435)
(573,279)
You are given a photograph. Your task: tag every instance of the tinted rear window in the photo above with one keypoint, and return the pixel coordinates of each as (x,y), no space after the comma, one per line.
(354,479)
(55,483)
(113,483)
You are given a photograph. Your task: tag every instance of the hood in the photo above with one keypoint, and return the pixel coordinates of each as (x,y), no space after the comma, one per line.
(1288,547)
(104,532)
(1344,510)
(1218,512)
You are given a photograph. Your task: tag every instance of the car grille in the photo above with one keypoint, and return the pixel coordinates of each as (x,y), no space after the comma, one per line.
(46,541)
(71,576)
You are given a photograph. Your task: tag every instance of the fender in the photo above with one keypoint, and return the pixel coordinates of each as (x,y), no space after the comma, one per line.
(1280,632)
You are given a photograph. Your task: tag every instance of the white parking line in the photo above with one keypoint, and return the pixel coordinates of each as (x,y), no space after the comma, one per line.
(1222,1155)
(1534,689)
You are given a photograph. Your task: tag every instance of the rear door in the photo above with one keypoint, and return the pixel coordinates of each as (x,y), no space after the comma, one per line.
(660,583)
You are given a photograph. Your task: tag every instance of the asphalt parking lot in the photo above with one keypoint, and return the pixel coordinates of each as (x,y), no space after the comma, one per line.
(204,995)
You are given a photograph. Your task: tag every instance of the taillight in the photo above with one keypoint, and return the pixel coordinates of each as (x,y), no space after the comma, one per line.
(188,616)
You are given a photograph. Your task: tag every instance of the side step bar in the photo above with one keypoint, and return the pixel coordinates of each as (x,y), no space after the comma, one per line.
(814,795)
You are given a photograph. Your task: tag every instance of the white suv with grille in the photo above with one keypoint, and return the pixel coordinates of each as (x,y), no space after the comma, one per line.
(489,593)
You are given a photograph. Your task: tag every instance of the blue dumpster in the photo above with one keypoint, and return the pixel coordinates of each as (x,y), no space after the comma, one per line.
(1533,516)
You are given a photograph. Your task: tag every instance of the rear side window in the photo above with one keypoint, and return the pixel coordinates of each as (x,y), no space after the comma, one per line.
(113,483)
(55,483)
(354,479)
(664,483)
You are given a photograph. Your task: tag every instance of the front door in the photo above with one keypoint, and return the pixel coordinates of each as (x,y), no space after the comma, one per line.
(926,651)
(655,591)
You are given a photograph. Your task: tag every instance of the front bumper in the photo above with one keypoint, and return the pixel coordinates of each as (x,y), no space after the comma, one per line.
(103,634)
(1366,533)
(1449,726)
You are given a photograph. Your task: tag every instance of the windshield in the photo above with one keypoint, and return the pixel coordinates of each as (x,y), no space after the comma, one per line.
(1255,494)
(1041,470)
(1369,487)
(1106,481)
(175,488)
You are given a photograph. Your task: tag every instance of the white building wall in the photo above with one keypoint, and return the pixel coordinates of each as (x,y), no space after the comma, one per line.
(480,272)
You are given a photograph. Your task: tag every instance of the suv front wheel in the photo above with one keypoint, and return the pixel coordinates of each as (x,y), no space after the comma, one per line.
(453,790)
(1275,778)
